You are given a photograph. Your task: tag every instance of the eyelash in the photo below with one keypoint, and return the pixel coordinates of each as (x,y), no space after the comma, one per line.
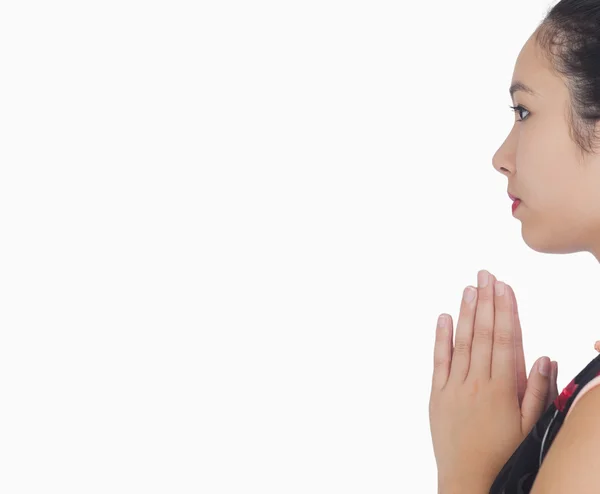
(519,108)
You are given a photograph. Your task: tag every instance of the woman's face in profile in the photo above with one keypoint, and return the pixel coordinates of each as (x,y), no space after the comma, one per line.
(560,193)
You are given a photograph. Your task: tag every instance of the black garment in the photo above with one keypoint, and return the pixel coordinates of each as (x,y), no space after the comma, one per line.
(519,472)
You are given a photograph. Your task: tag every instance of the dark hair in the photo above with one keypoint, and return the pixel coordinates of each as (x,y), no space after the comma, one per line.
(569,37)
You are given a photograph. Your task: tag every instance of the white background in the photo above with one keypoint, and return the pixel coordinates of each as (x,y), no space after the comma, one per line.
(227,230)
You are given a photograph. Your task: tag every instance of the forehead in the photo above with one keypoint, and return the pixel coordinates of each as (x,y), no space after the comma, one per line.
(529,58)
(535,71)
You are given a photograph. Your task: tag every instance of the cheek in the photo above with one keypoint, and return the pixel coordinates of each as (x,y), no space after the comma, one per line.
(544,171)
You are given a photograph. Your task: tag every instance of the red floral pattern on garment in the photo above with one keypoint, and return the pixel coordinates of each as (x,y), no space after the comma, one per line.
(520,471)
(561,400)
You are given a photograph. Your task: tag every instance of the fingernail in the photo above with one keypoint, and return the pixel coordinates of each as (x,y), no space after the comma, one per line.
(499,288)
(482,278)
(469,294)
(543,366)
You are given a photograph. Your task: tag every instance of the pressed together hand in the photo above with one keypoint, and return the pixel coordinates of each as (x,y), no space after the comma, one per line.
(482,404)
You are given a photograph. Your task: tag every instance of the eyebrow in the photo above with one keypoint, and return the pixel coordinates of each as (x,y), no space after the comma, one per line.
(519,86)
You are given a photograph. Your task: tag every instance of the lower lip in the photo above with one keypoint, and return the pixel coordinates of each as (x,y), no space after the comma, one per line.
(515,204)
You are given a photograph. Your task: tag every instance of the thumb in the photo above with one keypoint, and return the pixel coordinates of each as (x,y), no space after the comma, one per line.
(553,393)
(534,401)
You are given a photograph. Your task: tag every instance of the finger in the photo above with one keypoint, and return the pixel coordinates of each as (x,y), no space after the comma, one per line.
(519,353)
(483,332)
(553,391)
(503,353)
(442,353)
(461,353)
(535,398)
(554,388)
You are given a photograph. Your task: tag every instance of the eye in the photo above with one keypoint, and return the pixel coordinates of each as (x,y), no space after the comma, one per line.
(519,109)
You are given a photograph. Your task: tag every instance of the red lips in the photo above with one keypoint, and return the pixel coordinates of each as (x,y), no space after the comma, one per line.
(512,197)
(515,204)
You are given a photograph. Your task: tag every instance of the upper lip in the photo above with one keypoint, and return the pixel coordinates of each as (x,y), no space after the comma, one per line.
(512,197)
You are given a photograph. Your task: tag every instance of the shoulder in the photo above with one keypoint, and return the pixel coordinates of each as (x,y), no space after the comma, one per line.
(572,462)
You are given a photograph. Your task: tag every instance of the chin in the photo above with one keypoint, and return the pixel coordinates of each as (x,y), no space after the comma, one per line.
(550,243)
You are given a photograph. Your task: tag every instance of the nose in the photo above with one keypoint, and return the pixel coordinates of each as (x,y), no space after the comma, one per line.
(504,158)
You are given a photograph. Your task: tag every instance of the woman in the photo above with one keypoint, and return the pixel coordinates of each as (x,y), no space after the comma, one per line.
(493,430)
